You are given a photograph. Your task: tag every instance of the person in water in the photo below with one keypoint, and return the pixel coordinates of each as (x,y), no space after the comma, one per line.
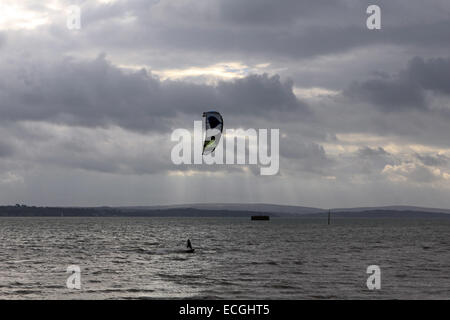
(188,244)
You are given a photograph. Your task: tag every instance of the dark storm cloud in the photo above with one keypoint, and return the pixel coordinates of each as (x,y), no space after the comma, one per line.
(406,90)
(97,93)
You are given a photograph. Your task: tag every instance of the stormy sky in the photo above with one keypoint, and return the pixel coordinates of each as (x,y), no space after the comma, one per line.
(86,115)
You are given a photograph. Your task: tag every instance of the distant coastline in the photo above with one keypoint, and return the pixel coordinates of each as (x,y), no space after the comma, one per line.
(222,210)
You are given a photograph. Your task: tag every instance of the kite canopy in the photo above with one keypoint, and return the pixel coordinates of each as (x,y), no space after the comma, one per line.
(214,128)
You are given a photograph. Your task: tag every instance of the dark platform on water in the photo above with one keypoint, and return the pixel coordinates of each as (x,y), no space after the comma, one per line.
(260,218)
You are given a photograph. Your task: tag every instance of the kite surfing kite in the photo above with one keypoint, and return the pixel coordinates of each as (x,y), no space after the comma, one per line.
(214,128)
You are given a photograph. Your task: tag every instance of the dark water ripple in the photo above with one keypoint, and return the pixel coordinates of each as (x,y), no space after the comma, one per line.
(143,258)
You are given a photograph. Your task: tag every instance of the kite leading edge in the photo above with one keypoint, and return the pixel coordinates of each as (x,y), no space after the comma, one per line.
(214,128)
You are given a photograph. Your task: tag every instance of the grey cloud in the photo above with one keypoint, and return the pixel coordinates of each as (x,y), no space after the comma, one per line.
(97,93)
(368,161)
(6,149)
(283,29)
(433,160)
(267,11)
(422,174)
(2,39)
(169,33)
(372,160)
(95,12)
(296,149)
(257,93)
(111,151)
(309,157)
(81,93)
(371,152)
(431,74)
(389,95)
(407,89)
(317,43)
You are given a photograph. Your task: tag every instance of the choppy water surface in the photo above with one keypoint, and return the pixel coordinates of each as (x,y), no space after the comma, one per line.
(234,258)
